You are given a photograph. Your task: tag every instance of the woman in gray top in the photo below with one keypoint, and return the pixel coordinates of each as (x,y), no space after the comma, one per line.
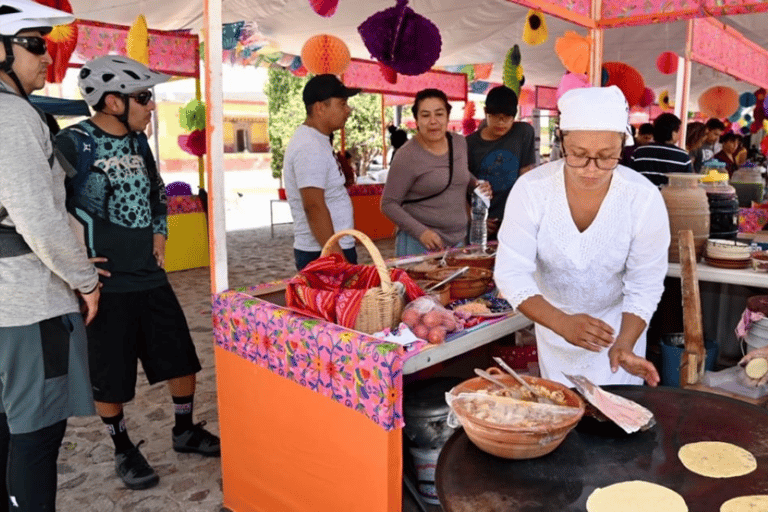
(428,181)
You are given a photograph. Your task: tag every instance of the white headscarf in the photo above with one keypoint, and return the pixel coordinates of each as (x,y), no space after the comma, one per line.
(595,108)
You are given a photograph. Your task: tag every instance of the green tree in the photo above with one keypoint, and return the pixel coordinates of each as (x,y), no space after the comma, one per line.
(363,129)
(286,113)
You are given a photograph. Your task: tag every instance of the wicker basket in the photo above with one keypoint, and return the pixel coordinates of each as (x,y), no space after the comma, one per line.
(382,305)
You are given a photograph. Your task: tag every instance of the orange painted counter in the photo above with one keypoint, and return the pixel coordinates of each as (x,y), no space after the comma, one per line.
(366,203)
(311,413)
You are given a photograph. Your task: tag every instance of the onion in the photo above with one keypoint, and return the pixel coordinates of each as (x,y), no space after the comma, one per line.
(421,331)
(432,319)
(410,317)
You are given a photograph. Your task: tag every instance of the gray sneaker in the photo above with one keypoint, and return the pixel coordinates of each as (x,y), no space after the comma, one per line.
(134,470)
(197,440)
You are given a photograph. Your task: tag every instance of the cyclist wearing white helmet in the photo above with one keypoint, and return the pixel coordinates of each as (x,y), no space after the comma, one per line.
(119,198)
(42,336)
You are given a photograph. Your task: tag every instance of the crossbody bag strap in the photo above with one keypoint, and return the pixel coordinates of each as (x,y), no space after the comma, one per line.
(450,173)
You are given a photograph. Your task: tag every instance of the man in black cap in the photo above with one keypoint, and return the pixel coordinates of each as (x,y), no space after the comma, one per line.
(500,150)
(314,181)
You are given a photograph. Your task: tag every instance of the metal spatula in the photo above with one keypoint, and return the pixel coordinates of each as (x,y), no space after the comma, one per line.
(542,399)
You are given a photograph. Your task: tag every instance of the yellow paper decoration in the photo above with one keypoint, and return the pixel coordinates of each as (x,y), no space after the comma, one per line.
(137,41)
(535,31)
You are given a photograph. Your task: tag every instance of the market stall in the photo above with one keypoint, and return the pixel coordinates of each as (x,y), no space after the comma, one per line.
(328,433)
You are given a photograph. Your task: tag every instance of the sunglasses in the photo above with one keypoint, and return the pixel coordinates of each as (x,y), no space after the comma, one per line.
(33,44)
(142,98)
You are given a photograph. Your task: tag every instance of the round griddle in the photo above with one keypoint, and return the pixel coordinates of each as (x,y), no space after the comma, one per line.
(600,454)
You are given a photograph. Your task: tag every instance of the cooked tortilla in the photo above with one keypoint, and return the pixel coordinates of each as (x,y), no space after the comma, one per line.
(635,496)
(717,460)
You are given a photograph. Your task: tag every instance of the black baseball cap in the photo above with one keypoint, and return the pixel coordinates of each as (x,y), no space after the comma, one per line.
(323,87)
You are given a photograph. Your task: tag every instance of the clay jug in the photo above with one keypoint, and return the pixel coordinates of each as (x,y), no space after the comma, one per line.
(688,208)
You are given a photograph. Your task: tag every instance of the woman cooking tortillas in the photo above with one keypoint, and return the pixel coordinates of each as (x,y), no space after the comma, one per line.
(585,254)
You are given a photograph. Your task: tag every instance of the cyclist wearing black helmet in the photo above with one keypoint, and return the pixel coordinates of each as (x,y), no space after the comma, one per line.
(43,361)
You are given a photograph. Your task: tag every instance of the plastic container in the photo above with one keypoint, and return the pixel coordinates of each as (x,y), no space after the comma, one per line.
(749,184)
(723,202)
(757,336)
(672,348)
(688,208)
(425,462)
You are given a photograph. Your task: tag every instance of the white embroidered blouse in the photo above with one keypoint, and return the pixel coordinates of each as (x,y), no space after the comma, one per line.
(616,265)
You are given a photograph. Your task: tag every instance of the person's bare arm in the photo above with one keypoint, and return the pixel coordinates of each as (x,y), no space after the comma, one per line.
(318,215)
(580,330)
(526,169)
(621,353)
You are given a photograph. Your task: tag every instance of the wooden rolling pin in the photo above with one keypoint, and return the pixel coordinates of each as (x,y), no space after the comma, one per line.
(692,364)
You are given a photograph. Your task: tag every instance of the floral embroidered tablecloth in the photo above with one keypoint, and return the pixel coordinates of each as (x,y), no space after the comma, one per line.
(354,369)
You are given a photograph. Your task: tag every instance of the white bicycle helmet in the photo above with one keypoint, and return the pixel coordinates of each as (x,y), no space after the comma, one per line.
(18,15)
(115,74)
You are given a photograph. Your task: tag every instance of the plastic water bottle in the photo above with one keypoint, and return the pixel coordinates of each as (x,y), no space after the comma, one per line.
(478,231)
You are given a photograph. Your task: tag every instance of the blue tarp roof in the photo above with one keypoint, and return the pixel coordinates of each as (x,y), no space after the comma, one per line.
(60,106)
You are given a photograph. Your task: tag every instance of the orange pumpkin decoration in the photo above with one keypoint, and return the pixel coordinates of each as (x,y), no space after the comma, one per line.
(719,102)
(573,51)
(626,78)
(325,53)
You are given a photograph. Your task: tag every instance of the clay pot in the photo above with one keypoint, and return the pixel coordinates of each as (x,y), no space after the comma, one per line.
(688,208)
(473,283)
(472,258)
(441,293)
(509,441)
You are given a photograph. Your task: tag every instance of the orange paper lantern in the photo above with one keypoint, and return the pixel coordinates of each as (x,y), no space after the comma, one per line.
(626,78)
(719,102)
(573,51)
(325,54)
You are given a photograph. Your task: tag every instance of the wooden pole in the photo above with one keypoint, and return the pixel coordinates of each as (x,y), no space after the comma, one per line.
(200,160)
(214,156)
(684,85)
(692,364)
(383,133)
(596,51)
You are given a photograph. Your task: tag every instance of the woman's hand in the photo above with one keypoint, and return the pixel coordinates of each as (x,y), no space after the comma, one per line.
(634,364)
(586,332)
(485,188)
(431,240)
(760,352)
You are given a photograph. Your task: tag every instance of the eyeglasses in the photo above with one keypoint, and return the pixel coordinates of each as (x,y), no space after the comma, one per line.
(142,98)
(33,44)
(602,163)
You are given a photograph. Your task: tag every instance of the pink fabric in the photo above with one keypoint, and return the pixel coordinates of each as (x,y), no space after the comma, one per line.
(367,75)
(745,323)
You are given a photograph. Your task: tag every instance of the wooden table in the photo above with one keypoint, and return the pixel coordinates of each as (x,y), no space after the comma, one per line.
(593,456)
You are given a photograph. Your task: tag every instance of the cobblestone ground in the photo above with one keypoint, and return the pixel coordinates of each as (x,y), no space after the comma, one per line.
(189,483)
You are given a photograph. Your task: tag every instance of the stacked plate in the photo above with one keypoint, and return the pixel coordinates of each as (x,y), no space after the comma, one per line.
(727,254)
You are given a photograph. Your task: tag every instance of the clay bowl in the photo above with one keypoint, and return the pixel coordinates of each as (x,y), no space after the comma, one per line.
(442,293)
(517,442)
(473,283)
(472,257)
(418,271)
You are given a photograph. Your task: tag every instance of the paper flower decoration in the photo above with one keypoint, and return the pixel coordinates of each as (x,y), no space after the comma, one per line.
(628,79)
(325,54)
(719,102)
(666,63)
(326,8)
(137,41)
(760,94)
(194,143)
(747,99)
(192,116)
(468,123)
(573,51)
(62,41)
(572,81)
(535,31)
(664,101)
(403,40)
(389,74)
(483,71)
(513,72)
(647,98)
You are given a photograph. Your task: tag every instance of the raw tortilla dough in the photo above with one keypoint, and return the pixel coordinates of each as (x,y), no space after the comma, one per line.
(756,368)
(635,496)
(756,503)
(716,459)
